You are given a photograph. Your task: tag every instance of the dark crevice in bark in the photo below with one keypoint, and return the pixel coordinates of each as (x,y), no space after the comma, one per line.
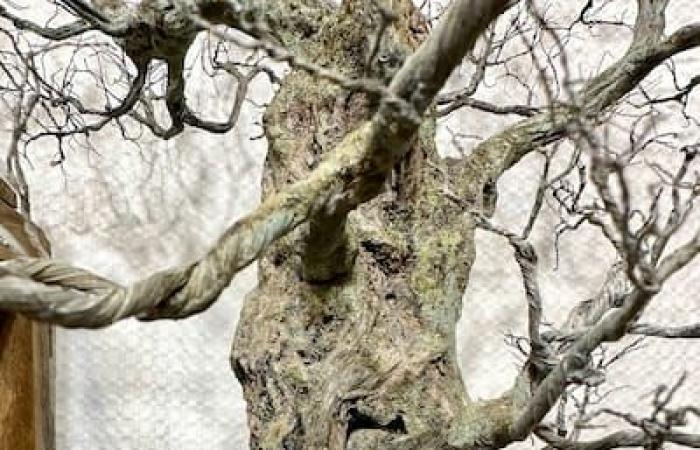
(359,421)
(360,358)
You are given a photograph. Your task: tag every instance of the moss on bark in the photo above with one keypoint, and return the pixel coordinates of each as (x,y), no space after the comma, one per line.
(366,359)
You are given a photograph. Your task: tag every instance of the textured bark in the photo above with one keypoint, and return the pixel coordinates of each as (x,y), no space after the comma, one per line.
(365,359)
(348,343)
(25,370)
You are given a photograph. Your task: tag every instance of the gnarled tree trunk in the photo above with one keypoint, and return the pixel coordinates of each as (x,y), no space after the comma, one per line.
(365,247)
(348,342)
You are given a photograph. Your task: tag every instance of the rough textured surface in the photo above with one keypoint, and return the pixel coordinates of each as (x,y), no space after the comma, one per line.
(24,383)
(363,360)
(16,386)
(462,435)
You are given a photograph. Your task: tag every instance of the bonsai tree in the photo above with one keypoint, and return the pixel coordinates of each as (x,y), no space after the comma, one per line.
(365,237)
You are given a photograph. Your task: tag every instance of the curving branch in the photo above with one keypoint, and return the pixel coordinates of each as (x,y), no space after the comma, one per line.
(481,105)
(682,332)
(356,171)
(144,31)
(614,315)
(411,92)
(53,34)
(52,291)
(628,438)
(181,114)
(491,158)
(91,20)
(610,329)
(661,426)
(131,98)
(56,292)
(83,10)
(243,82)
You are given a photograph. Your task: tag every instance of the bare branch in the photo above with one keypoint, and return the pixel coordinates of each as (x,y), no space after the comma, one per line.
(653,431)
(54,34)
(519,110)
(51,291)
(683,332)
(620,439)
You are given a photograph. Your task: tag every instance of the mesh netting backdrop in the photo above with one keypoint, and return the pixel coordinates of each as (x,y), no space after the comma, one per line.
(161,385)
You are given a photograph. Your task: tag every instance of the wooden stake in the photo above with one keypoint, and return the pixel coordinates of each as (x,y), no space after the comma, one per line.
(26,348)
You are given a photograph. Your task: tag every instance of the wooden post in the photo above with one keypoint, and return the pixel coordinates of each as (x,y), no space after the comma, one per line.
(26,347)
